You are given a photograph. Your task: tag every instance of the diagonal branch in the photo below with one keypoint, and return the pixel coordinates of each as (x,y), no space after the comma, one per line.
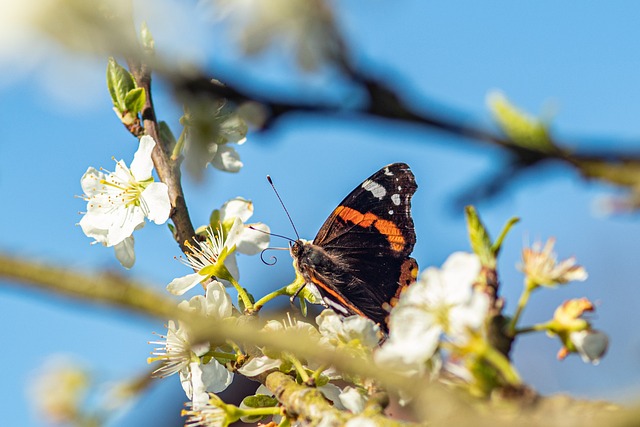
(387,103)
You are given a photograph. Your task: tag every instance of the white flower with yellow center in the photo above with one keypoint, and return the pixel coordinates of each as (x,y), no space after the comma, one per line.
(215,255)
(178,355)
(118,202)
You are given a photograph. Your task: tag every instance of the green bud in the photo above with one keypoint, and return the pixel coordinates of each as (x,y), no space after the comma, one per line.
(303,306)
(479,238)
(260,401)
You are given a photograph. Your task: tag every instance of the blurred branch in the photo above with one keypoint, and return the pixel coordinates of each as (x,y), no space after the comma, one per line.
(431,401)
(385,102)
(121,292)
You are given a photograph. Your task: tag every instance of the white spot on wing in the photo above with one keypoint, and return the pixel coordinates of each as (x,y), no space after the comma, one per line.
(396,199)
(391,212)
(376,189)
(399,187)
(336,306)
(388,172)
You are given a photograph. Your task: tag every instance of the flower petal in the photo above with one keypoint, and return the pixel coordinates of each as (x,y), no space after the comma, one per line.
(332,393)
(192,380)
(91,227)
(125,221)
(591,345)
(232,266)
(352,400)
(181,285)
(227,159)
(236,208)
(91,182)
(258,365)
(142,165)
(233,129)
(458,273)
(233,235)
(413,339)
(156,199)
(218,302)
(216,377)
(251,241)
(125,252)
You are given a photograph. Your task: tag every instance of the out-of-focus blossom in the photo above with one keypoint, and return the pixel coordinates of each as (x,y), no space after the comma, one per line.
(59,389)
(541,267)
(305,26)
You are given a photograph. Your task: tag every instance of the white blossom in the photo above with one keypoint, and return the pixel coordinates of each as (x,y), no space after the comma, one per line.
(118,202)
(178,355)
(337,329)
(442,302)
(208,257)
(215,303)
(213,129)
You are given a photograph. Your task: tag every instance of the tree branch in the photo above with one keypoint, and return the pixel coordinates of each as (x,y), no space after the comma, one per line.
(386,102)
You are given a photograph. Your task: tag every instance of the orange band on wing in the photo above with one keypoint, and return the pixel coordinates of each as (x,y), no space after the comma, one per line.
(387,228)
(337,296)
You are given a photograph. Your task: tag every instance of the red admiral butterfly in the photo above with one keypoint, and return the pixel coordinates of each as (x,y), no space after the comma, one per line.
(360,258)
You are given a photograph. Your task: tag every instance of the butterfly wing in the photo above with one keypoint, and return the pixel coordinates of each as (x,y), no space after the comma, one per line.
(371,235)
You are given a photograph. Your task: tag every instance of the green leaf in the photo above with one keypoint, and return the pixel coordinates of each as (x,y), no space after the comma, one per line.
(119,82)
(479,237)
(165,133)
(505,230)
(134,100)
(173,230)
(322,380)
(523,129)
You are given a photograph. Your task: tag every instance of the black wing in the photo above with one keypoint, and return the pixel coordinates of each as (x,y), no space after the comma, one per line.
(371,234)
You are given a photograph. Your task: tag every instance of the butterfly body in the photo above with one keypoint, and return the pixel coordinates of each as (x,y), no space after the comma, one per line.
(359,261)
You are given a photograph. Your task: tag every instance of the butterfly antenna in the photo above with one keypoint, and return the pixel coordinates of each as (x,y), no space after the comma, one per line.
(283,207)
(251,227)
(272,260)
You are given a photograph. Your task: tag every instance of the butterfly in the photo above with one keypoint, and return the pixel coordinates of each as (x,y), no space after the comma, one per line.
(359,261)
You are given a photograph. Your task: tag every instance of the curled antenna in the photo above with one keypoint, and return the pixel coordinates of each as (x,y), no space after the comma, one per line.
(273,260)
(283,206)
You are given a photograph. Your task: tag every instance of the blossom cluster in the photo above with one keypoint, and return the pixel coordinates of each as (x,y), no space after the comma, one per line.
(439,327)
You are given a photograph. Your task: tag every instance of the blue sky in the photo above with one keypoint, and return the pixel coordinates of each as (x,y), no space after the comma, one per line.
(581,64)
